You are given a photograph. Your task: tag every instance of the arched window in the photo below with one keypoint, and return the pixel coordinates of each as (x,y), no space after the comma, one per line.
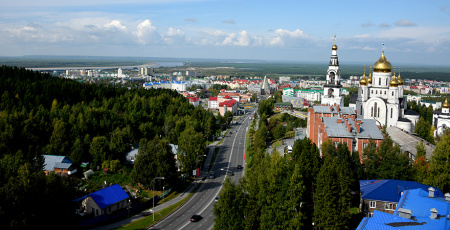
(392,110)
(375,110)
(392,93)
(387,79)
(361,110)
(378,112)
(379,81)
(371,112)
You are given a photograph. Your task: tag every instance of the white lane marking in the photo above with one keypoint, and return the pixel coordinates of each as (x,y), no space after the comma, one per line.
(222,182)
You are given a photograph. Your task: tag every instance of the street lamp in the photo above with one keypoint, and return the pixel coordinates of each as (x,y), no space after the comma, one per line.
(163,194)
(156,178)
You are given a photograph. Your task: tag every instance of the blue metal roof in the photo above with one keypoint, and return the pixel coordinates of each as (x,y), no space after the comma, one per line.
(107,196)
(420,204)
(389,190)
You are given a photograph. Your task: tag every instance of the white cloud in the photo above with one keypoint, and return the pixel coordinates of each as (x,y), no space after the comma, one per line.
(284,37)
(367,24)
(146,33)
(174,36)
(362,36)
(115,25)
(405,22)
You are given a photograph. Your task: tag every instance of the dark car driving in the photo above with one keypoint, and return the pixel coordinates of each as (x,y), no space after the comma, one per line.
(195,218)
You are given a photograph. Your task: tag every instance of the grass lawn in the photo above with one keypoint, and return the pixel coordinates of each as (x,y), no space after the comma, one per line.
(147,221)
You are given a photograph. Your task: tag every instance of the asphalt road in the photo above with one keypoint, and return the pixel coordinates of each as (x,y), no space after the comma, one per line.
(230,155)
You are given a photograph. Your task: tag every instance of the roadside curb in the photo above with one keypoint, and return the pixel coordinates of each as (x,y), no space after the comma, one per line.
(173,211)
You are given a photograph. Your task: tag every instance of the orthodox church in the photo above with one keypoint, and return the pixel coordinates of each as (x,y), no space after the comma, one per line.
(380,97)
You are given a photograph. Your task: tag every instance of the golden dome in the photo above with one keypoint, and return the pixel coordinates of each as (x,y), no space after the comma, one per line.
(334,47)
(400,81)
(363,80)
(369,80)
(382,65)
(445,105)
(393,82)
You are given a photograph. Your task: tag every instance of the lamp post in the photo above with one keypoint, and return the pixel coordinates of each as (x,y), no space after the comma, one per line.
(156,178)
(163,194)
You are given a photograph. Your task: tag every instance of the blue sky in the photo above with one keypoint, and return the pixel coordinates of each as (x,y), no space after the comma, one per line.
(414,32)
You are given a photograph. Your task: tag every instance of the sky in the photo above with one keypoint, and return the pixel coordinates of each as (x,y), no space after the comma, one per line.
(414,32)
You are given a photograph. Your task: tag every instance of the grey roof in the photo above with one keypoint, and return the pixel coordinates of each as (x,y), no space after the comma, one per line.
(62,165)
(369,128)
(335,129)
(408,141)
(50,162)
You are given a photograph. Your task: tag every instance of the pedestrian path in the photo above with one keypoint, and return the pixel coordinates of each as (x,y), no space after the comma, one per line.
(203,173)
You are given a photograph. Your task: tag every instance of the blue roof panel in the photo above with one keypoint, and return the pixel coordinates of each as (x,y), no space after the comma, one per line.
(389,190)
(107,196)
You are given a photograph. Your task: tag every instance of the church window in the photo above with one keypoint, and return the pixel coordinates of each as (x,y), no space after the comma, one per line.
(376,91)
(378,112)
(379,81)
(392,110)
(361,110)
(392,93)
(371,91)
(384,92)
(375,110)
(387,81)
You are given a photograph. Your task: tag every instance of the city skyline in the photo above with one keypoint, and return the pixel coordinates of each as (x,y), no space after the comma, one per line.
(413,32)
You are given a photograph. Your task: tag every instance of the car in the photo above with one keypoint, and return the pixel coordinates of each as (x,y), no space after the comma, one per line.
(217,199)
(212,176)
(230,173)
(195,218)
(239,166)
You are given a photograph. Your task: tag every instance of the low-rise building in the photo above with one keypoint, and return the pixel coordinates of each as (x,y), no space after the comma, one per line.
(59,165)
(104,201)
(383,195)
(340,124)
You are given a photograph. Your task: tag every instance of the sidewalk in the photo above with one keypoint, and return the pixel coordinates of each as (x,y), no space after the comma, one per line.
(203,173)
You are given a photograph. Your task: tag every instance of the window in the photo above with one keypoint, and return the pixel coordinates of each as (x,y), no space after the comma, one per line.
(361,110)
(392,110)
(372,204)
(371,112)
(389,206)
(379,81)
(392,93)
(364,145)
(371,214)
(384,92)
(376,91)
(387,81)
(375,110)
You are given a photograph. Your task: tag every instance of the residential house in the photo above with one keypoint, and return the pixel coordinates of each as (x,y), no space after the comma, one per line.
(104,201)
(383,195)
(282,106)
(416,209)
(194,101)
(59,164)
(212,103)
(228,105)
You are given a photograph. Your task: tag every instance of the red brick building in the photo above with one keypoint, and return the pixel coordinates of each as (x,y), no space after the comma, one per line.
(340,124)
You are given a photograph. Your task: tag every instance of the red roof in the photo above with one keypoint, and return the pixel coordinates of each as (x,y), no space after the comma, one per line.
(193,99)
(228,103)
(212,98)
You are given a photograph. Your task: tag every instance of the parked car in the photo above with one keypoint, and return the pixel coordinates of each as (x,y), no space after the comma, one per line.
(212,176)
(230,173)
(217,199)
(239,166)
(195,218)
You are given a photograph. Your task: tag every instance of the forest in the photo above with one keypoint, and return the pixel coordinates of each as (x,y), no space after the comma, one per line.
(303,190)
(43,115)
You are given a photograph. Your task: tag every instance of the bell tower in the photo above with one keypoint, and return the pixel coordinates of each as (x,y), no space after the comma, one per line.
(332,90)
